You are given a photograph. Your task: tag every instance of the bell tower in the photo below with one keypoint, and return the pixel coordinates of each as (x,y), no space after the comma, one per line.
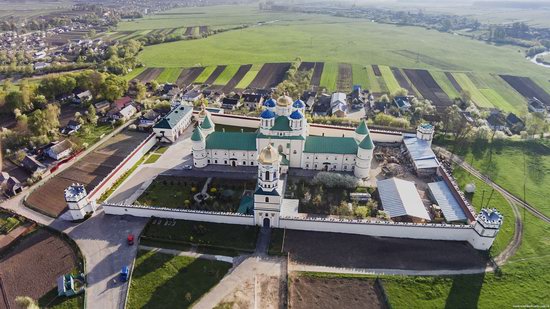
(268,195)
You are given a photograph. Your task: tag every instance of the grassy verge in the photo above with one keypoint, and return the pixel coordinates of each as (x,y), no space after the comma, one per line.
(166,281)
(276,243)
(52,301)
(90,134)
(117,183)
(152,158)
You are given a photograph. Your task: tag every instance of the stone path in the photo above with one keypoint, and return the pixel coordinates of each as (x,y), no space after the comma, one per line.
(196,255)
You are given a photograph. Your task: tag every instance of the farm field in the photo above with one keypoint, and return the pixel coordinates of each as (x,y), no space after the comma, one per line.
(466,84)
(439,51)
(389,79)
(149,74)
(217,72)
(527,88)
(166,281)
(135,73)
(445,84)
(249,76)
(428,87)
(344,82)
(169,75)
(204,74)
(187,76)
(270,75)
(329,76)
(236,79)
(404,81)
(226,75)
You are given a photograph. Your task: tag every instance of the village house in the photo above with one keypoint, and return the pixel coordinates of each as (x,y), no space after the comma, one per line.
(125,113)
(122,102)
(338,104)
(60,150)
(496,121)
(31,165)
(252,101)
(169,128)
(357,97)
(322,107)
(13,186)
(536,106)
(402,103)
(308,97)
(231,103)
(191,96)
(102,107)
(148,120)
(72,127)
(514,123)
(83,97)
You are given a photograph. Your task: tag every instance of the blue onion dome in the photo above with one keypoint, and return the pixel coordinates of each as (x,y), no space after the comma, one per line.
(270,103)
(296,115)
(298,104)
(267,114)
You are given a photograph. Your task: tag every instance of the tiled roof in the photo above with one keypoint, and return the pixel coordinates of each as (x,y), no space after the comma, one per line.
(281,124)
(231,141)
(330,144)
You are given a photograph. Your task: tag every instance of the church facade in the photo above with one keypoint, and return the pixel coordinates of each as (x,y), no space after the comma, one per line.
(284,128)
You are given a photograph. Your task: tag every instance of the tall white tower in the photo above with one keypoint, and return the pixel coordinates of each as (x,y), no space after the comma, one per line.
(268,195)
(207,126)
(425,132)
(361,131)
(486,227)
(200,159)
(363,160)
(77,201)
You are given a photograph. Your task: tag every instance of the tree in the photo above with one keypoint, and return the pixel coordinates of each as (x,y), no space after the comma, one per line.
(401,92)
(41,122)
(78,118)
(92,115)
(26,302)
(113,88)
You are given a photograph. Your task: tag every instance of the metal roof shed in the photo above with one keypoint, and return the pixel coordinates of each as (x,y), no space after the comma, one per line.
(400,198)
(442,195)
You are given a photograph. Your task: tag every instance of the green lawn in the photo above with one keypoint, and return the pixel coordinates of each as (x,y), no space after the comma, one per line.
(135,72)
(249,76)
(445,84)
(166,281)
(226,75)
(329,76)
(152,158)
(171,192)
(93,134)
(466,84)
(205,74)
(213,235)
(390,81)
(169,75)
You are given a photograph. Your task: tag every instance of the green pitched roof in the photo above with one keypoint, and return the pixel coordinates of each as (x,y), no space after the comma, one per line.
(206,123)
(275,137)
(329,144)
(197,135)
(366,143)
(362,128)
(171,120)
(281,124)
(231,141)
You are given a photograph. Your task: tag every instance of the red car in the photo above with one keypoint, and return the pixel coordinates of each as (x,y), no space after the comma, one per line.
(130,239)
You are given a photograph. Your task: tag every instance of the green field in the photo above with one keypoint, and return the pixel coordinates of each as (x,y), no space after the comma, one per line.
(167,281)
(321,38)
(169,75)
(391,83)
(226,75)
(205,74)
(329,76)
(249,76)
(466,84)
(445,84)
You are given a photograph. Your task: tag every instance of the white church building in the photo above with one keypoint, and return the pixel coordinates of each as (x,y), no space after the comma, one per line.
(284,127)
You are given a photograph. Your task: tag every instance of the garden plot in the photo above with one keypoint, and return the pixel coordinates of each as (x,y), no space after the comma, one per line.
(149,74)
(389,79)
(236,79)
(329,76)
(379,252)
(324,291)
(317,71)
(89,171)
(344,81)
(376,70)
(215,74)
(226,75)
(189,31)
(169,75)
(428,88)
(270,75)
(453,81)
(466,84)
(446,84)
(32,267)
(402,80)
(526,87)
(248,77)
(203,30)
(187,76)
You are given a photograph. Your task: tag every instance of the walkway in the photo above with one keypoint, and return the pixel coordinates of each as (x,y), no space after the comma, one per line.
(367,271)
(195,255)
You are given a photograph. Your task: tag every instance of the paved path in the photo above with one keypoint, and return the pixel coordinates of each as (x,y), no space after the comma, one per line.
(196,255)
(367,271)
(244,272)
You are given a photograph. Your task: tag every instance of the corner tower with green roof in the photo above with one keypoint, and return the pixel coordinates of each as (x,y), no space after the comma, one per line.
(365,151)
(200,156)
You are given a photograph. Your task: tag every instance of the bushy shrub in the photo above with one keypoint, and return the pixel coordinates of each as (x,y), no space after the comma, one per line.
(335,180)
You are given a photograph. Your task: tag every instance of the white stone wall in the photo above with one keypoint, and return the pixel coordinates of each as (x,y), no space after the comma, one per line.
(390,229)
(123,167)
(338,162)
(182,214)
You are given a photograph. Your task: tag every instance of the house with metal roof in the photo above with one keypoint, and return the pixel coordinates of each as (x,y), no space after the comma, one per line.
(401,201)
(419,150)
(284,127)
(169,128)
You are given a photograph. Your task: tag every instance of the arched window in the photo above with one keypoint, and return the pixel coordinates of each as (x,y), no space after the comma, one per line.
(267,199)
(267,175)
